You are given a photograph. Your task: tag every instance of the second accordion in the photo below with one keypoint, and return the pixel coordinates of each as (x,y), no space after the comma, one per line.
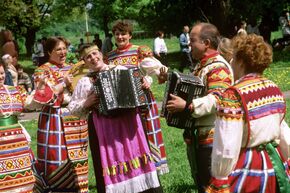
(187,87)
(119,89)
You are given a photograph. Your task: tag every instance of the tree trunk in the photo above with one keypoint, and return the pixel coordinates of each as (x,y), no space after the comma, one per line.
(29,41)
(105,25)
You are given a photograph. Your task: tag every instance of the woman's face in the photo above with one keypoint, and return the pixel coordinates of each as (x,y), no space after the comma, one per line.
(2,76)
(122,39)
(58,54)
(94,60)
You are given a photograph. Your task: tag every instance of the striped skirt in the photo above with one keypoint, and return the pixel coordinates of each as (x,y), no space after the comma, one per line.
(16,173)
(151,122)
(61,153)
(254,172)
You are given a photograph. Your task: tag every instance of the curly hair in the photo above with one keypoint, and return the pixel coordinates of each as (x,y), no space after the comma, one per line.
(253,51)
(123,26)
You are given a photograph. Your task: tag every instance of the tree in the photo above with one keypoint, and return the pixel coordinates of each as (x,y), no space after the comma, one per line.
(24,18)
(171,15)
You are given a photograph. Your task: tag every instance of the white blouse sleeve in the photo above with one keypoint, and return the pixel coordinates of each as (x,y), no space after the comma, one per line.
(226,146)
(285,140)
(204,106)
(228,136)
(79,97)
(150,66)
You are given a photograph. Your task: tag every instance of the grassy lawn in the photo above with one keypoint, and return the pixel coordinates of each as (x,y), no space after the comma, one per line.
(179,178)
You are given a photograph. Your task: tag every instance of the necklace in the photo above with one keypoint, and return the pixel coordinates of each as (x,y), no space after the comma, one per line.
(4,110)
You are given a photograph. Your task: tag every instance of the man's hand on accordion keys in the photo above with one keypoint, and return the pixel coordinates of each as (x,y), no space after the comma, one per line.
(175,104)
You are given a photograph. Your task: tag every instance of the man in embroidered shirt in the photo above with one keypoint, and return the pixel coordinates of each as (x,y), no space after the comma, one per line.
(216,75)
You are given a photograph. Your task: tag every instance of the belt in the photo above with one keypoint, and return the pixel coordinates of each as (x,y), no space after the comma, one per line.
(11,120)
(278,166)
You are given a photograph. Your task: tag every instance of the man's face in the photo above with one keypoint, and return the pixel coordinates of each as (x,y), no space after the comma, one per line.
(198,48)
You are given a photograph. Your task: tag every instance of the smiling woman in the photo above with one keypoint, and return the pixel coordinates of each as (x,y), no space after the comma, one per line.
(61,138)
(130,55)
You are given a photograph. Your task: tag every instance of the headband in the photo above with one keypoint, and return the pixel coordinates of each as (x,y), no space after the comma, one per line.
(88,50)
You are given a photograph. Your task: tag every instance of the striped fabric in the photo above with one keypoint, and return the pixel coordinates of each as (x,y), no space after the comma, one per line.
(154,134)
(76,136)
(133,55)
(61,142)
(254,172)
(16,174)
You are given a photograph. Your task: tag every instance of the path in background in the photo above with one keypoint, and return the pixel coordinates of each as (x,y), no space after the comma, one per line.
(34,115)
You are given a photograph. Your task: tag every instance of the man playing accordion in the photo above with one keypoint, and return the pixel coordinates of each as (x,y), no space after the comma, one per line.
(216,75)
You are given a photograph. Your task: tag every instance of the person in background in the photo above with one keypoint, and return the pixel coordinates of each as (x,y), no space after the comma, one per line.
(107,45)
(216,75)
(160,48)
(225,49)
(252,27)
(242,29)
(9,45)
(184,42)
(24,79)
(251,141)
(81,44)
(121,156)
(9,63)
(39,52)
(62,159)
(97,41)
(142,57)
(16,156)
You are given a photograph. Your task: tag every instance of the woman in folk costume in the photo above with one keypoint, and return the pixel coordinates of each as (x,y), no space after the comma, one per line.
(121,156)
(16,157)
(251,140)
(142,57)
(62,160)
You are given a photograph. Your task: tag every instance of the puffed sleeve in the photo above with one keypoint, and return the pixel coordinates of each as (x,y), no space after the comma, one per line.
(149,65)
(228,134)
(79,97)
(227,141)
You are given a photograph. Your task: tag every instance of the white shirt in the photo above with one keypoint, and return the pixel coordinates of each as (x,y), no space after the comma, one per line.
(159,46)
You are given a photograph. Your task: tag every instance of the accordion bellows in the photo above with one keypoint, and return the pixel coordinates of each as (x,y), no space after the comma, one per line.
(187,87)
(119,89)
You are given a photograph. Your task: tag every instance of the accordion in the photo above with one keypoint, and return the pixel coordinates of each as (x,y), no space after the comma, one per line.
(119,89)
(187,87)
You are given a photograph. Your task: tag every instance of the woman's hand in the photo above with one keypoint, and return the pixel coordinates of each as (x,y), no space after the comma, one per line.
(92,100)
(162,75)
(175,104)
(68,79)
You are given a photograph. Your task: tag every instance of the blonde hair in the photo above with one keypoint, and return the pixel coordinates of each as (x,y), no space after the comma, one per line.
(225,48)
